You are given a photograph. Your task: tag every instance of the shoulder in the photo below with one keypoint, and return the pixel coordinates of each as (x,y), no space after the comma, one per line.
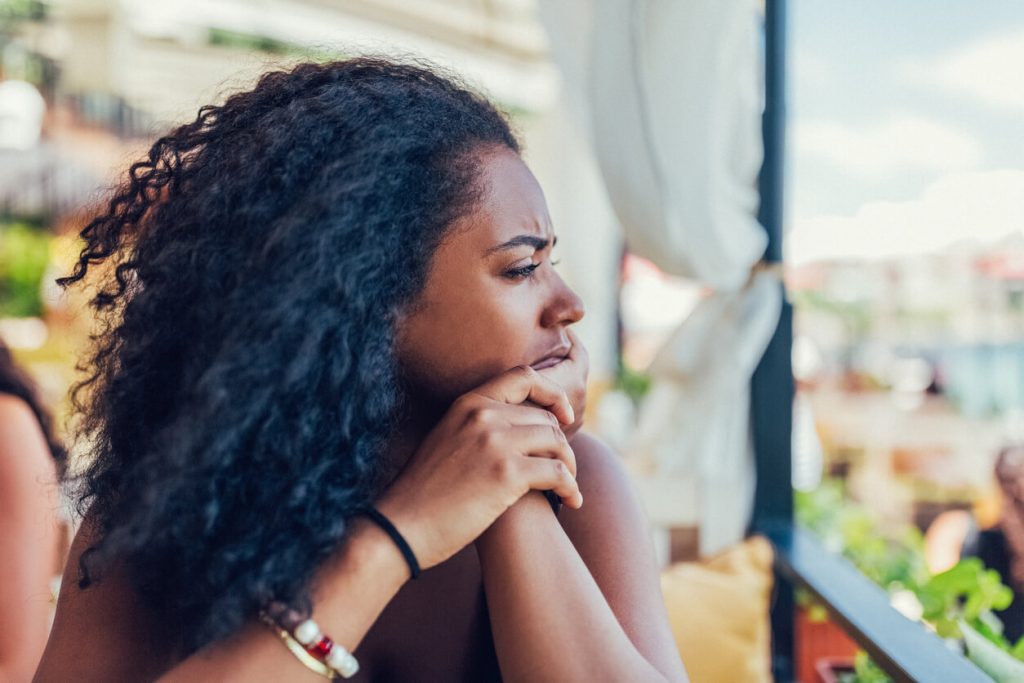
(24,454)
(16,416)
(600,472)
(611,517)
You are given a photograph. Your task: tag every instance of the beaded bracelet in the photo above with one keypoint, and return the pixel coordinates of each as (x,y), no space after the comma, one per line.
(316,651)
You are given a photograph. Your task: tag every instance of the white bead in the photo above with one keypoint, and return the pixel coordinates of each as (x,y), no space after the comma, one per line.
(336,657)
(307,632)
(342,661)
(350,668)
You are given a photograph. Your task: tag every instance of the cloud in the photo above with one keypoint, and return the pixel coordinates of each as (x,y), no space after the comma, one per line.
(989,69)
(900,144)
(982,207)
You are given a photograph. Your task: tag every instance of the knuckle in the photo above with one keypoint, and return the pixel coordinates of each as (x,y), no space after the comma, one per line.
(503,471)
(488,440)
(479,415)
(527,371)
(466,403)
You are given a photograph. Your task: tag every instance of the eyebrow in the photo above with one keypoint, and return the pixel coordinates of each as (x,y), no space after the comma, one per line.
(537,243)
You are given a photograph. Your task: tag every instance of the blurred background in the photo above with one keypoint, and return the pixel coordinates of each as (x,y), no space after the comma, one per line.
(904,214)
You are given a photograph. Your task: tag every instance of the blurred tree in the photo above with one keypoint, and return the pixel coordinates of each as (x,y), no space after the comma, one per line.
(24,255)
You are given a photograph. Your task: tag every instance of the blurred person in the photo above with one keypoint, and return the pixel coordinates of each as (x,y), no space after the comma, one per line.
(337,353)
(956,534)
(30,527)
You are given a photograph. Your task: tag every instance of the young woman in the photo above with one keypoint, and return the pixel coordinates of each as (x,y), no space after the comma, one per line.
(335,291)
(31,538)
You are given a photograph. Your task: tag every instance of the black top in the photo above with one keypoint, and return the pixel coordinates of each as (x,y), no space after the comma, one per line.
(989,546)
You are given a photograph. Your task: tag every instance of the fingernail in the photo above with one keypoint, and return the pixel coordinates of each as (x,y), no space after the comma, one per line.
(572,415)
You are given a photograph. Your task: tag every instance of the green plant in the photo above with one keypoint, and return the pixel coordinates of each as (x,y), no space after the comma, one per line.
(865,671)
(24,255)
(633,383)
(964,596)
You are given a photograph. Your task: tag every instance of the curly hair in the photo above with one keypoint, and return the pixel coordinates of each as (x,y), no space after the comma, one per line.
(244,379)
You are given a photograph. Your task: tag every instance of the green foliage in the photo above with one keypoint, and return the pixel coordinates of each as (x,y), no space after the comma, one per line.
(259,43)
(20,10)
(24,255)
(865,671)
(888,559)
(633,383)
(966,594)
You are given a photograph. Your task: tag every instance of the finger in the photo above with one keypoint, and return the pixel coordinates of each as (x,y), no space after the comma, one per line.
(543,441)
(553,475)
(526,413)
(524,383)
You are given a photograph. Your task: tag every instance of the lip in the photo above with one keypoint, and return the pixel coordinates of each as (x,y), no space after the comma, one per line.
(551,358)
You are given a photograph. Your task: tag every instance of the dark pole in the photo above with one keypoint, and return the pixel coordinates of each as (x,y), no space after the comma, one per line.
(772,385)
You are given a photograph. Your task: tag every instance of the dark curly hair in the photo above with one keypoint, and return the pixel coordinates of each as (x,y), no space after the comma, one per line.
(244,380)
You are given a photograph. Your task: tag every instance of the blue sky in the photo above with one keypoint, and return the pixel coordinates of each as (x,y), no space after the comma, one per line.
(908,108)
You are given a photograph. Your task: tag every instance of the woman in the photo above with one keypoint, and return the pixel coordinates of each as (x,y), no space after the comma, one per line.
(30,528)
(328,293)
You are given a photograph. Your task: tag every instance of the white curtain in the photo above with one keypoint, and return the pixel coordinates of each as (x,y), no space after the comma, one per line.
(670,92)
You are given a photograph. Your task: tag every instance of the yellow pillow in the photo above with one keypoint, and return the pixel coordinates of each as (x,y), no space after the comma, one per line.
(718,608)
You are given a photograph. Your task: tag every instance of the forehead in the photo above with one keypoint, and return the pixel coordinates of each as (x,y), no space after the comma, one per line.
(512,204)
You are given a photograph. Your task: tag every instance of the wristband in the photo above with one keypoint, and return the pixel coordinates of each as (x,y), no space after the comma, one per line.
(389,528)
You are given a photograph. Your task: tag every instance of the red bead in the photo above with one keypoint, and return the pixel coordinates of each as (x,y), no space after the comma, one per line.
(321,649)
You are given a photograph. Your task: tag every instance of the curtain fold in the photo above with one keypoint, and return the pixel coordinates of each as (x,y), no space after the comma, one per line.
(671,92)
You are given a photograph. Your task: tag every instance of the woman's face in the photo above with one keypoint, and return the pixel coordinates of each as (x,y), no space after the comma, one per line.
(492,299)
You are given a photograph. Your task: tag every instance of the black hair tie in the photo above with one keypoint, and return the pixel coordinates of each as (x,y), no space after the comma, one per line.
(396,536)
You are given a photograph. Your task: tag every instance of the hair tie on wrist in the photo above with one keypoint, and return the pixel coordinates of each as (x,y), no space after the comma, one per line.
(396,536)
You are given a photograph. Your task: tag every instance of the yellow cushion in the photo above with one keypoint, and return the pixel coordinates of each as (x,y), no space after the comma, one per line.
(718,608)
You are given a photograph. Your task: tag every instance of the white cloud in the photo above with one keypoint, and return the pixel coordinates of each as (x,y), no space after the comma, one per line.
(990,69)
(982,207)
(899,144)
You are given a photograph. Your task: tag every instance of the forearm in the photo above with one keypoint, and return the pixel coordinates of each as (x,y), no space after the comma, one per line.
(549,618)
(350,593)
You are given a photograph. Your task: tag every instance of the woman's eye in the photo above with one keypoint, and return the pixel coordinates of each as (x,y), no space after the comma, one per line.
(520,273)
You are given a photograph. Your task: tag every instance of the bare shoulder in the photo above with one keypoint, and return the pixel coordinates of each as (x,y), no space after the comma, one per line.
(611,519)
(16,418)
(103,632)
(24,454)
(602,478)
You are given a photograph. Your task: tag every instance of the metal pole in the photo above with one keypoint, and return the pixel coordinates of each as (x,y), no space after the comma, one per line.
(772,385)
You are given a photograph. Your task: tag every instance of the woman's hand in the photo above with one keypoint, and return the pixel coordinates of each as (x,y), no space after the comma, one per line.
(488,450)
(571,375)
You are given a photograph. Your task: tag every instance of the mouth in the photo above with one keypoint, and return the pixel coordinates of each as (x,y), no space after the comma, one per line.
(551,359)
(548,362)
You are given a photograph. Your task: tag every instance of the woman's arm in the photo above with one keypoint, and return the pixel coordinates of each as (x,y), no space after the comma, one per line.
(29,533)
(583,602)
(105,633)
(352,591)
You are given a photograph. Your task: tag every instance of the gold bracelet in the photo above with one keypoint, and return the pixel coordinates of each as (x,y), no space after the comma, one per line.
(296,648)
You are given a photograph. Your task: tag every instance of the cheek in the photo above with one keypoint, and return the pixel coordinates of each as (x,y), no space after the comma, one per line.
(450,349)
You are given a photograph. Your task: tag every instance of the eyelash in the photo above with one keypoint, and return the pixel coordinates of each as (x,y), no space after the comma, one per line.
(526,271)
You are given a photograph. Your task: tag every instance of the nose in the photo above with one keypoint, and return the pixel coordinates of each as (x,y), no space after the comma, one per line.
(564,308)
